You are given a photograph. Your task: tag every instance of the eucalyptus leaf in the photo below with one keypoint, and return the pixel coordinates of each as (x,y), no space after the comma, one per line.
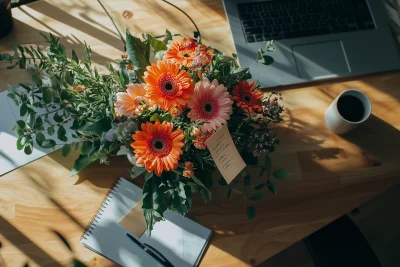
(266,60)
(66,149)
(48,143)
(168,37)
(23,110)
(61,132)
(28,149)
(21,124)
(40,138)
(271,187)
(251,212)
(281,174)
(257,196)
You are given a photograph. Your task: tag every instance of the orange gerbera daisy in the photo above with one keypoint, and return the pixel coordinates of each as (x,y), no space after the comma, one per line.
(188,53)
(157,146)
(167,85)
(247,97)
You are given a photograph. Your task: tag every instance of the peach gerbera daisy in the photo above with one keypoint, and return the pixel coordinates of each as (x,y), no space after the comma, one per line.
(247,97)
(167,85)
(157,146)
(133,102)
(210,103)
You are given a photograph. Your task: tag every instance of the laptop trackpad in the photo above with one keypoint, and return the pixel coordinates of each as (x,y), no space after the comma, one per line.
(321,60)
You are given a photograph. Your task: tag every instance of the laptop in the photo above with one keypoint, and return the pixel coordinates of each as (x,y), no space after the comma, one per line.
(314,39)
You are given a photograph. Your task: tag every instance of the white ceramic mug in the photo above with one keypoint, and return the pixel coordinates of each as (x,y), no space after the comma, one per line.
(336,122)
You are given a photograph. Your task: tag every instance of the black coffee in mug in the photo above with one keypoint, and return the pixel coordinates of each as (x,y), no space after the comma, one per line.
(6,22)
(351,108)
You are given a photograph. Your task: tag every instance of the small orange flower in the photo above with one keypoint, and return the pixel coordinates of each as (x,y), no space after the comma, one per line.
(175,111)
(79,88)
(188,173)
(195,131)
(188,165)
(200,141)
(158,146)
(247,97)
(167,85)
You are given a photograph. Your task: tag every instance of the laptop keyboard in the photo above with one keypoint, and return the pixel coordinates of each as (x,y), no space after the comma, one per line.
(286,19)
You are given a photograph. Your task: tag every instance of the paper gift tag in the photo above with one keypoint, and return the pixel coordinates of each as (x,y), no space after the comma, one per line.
(134,220)
(225,155)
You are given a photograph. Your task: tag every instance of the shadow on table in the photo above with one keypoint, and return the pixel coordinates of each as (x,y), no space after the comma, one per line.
(23,243)
(375,134)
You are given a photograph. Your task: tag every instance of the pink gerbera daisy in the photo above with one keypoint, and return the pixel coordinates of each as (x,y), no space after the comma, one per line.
(210,103)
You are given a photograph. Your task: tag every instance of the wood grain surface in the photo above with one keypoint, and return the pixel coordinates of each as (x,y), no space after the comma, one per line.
(331,174)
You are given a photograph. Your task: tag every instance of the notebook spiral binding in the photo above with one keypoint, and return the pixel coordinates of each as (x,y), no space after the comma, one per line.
(92,223)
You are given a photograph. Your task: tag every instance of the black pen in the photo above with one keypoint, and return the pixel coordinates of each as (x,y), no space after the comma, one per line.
(148,248)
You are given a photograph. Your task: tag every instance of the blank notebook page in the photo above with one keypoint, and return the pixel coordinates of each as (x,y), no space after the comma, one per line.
(181,240)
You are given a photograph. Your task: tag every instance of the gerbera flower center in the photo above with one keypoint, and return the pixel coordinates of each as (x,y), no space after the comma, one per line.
(166,85)
(208,108)
(247,98)
(160,145)
(186,55)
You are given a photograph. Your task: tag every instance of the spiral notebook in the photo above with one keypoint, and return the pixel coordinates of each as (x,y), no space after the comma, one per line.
(179,239)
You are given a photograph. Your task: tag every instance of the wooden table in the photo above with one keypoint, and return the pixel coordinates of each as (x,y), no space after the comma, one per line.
(331,174)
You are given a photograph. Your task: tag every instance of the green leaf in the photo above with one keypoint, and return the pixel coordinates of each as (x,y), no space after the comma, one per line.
(165,117)
(267,163)
(32,119)
(26,87)
(257,196)
(87,148)
(281,174)
(50,130)
(66,149)
(63,240)
(168,37)
(251,212)
(57,118)
(156,44)
(40,138)
(75,57)
(99,127)
(148,175)
(246,180)
(22,62)
(154,203)
(28,149)
(222,181)
(153,117)
(136,171)
(47,96)
(271,186)
(239,71)
(36,80)
(259,186)
(21,141)
(77,263)
(205,195)
(48,143)
(23,110)
(266,60)
(137,51)
(234,55)
(124,73)
(61,132)
(81,163)
(6,57)
(21,124)
(228,195)
(14,98)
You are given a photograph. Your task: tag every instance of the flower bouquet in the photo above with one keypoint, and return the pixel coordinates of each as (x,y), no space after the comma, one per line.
(157,105)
